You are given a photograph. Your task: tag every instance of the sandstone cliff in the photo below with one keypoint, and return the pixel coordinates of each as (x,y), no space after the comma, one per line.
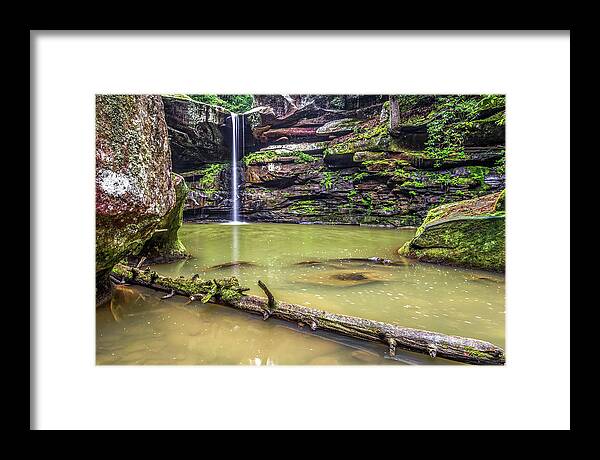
(134,188)
(368,159)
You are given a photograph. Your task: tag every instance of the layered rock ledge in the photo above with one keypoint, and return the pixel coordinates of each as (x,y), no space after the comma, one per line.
(360,160)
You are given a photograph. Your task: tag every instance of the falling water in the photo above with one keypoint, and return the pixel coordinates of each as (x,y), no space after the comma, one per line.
(236,121)
(234,175)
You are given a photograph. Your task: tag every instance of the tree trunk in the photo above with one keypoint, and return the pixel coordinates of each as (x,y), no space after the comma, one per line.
(228,292)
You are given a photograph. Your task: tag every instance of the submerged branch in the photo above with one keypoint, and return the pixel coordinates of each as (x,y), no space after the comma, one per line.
(228,292)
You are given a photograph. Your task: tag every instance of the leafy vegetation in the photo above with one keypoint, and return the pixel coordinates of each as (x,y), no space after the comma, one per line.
(303,207)
(357,177)
(271,155)
(328,179)
(455,117)
(412,184)
(237,103)
(303,157)
(209,176)
(501,165)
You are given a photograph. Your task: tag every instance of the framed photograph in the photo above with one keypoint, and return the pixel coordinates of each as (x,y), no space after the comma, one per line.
(355,231)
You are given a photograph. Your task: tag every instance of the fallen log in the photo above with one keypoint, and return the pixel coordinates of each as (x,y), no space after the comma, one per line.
(228,292)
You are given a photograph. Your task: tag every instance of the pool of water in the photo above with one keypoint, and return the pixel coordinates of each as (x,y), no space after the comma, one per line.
(317,266)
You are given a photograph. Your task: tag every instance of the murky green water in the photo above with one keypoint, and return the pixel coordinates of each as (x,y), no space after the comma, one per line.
(300,264)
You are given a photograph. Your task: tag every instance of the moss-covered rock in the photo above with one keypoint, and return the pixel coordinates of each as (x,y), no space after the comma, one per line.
(468,233)
(501,201)
(165,246)
(345,125)
(134,188)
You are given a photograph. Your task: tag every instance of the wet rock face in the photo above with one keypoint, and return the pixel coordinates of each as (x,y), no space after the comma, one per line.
(198,133)
(354,160)
(134,189)
(468,233)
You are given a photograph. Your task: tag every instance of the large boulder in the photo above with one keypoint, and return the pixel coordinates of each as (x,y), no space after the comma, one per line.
(468,233)
(134,188)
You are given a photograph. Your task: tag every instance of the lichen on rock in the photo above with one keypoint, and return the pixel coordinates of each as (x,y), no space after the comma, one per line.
(134,189)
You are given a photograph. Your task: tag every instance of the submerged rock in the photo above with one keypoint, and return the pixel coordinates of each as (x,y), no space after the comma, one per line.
(134,188)
(341,278)
(310,262)
(372,260)
(232,264)
(468,233)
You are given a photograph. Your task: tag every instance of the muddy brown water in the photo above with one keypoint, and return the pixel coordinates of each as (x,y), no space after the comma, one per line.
(300,264)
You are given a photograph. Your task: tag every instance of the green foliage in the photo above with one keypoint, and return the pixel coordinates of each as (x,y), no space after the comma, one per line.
(478,173)
(367,201)
(304,207)
(303,157)
(209,175)
(412,184)
(454,117)
(328,179)
(352,195)
(237,103)
(357,177)
(501,165)
(271,155)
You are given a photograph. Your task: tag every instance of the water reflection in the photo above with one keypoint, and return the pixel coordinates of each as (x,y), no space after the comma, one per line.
(299,264)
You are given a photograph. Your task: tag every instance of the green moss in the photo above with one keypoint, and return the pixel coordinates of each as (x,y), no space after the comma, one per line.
(165,243)
(478,354)
(209,176)
(474,179)
(414,109)
(500,205)
(303,207)
(268,156)
(373,138)
(129,138)
(328,179)
(469,233)
(359,176)
(455,118)
(501,164)
(303,157)
(412,184)
(478,173)
(226,289)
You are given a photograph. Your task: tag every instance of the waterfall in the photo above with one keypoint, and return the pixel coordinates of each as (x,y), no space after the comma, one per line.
(235,142)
